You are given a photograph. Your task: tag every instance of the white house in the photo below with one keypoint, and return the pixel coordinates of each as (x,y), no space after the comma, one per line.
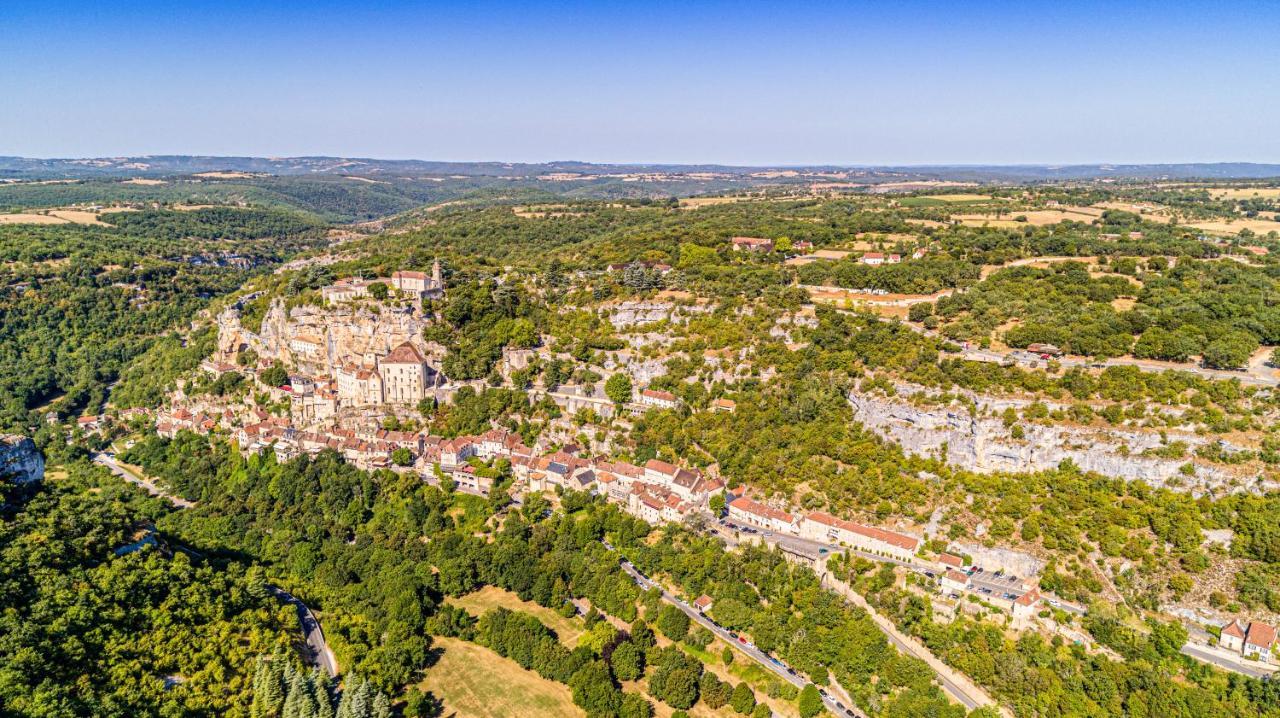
(820,526)
(659,398)
(954,581)
(744,510)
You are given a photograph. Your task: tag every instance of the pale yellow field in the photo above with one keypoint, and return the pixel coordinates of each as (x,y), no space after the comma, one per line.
(190,207)
(489,597)
(1248,193)
(78,216)
(1260,226)
(144,181)
(475,682)
(224,175)
(24,218)
(927,222)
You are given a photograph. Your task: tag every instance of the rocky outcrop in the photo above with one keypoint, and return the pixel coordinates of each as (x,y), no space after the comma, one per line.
(970,434)
(20,460)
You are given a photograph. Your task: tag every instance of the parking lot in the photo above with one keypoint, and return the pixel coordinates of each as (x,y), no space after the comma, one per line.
(1000,586)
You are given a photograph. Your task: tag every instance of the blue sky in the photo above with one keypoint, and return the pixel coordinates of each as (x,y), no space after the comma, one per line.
(724,82)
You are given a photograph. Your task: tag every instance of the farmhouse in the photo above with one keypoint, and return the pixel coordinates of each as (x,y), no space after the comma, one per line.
(873,259)
(1252,641)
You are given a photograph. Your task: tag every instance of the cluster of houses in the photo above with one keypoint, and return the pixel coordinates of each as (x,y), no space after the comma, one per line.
(408,284)
(825,528)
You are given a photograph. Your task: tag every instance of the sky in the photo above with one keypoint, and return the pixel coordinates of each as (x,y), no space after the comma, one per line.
(742,82)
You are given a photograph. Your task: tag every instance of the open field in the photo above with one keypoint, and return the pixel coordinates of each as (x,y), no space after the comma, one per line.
(1222,226)
(144,181)
(475,682)
(1247,193)
(225,175)
(29,218)
(489,597)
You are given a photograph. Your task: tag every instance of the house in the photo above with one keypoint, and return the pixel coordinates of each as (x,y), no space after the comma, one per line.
(1253,641)
(1232,637)
(752,244)
(419,284)
(658,398)
(950,560)
(873,259)
(726,406)
(802,245)
(702,603)
(466,479)
(954,581)
(1259,641)
(919,253)
(1024,606)
(456,451)
(894,259)
(819,526)
(744,510)
(89,423)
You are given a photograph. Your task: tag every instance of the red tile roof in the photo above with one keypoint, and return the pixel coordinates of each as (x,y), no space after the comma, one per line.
(1233,629)
(950,560)
(1260,634)
(889,537)
(745,504)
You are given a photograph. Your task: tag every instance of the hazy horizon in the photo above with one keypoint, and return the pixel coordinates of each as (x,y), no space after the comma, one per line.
(741,84)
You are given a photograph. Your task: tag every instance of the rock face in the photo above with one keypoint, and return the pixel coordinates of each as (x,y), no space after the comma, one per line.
(20,461)
(319,339)
(971,435)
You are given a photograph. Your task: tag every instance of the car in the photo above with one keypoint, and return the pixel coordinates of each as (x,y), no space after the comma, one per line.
(930,574)
(823,691)
(766,533)
(742,640)
(732,634)
(822,551)
(791,670)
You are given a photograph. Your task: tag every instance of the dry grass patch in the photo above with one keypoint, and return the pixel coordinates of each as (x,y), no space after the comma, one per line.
(144,181)
(960,197)
(79,216)
(30,218)
(490,597)
(1225,226)
(225,175)
(1247,193)
(478,683)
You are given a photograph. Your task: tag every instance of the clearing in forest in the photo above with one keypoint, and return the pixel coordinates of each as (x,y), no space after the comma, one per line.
(474,681)
(490,597)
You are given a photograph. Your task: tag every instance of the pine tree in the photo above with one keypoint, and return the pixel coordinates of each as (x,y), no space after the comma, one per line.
(321,694)
(381,706)
(295,701)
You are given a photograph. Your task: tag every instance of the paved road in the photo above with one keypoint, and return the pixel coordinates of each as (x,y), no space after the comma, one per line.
(132,477)
(319,653)
(1201,653)
(764,659)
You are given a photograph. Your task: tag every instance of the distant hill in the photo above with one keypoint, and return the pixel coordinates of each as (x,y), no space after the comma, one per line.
(174,165)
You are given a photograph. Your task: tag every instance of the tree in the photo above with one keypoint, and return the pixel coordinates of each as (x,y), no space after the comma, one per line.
(727,655)
(593,690)
(379,291)
(634,705)
(743,699)
(402,457)
(628,661)
(810,701)
(673,622)
(618,388)
(716,503)
(714,692)
(762,711)
(274,375)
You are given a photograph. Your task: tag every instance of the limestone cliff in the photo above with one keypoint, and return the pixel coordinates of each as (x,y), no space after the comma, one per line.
(20,461)
(971,435)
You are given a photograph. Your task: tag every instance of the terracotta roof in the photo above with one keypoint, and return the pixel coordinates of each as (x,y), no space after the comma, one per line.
(404,354)
(661,467)
(752,241)
(950,560)
(659,394)
(702,601)
(873,255)
(743,503)
(409,275)
(726,403)
(1027,599)
(1233,629)
(889,537)
(956,576)
(1260,634)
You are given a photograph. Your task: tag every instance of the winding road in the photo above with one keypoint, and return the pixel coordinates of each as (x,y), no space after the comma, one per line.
(128,474)
(319,653)
(768,662)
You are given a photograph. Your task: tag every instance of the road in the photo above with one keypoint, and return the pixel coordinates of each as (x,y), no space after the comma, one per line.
(770,663)
(319,653)
(1230,663)
(134,478)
